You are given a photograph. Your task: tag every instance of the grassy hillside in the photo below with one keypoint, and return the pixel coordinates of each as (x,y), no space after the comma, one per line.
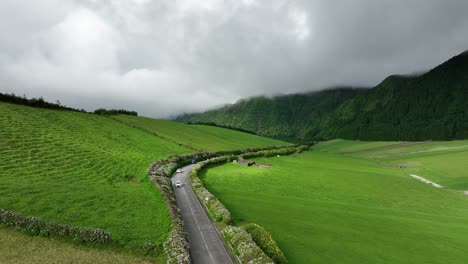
(442,162)
(24,249)
(335,208)
(427,107)
(199,137)
(83,170)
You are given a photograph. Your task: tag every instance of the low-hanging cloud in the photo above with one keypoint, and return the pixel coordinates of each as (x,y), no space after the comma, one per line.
(162,58)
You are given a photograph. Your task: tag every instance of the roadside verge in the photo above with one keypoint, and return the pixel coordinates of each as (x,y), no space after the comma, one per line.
(251,243)
(176,246)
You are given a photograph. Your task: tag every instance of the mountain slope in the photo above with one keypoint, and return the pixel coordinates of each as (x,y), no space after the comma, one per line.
(430,106)
(425,107)
(285,117)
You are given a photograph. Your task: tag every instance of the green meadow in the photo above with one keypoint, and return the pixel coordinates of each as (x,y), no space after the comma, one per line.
(83,170)
(199,137)
(354,202)
(342,202)
(444,162)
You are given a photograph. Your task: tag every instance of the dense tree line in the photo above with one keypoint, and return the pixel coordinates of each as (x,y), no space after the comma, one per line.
(35,102)
(41,103)
(102,111)
(222,126)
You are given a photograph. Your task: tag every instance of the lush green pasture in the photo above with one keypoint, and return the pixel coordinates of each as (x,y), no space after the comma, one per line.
(341,146)
(444,162)
(20,248)
(199,137)
(331,208)
(383,149)
(84,170)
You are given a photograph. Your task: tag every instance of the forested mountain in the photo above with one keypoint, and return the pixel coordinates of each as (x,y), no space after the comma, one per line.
(431,106)
(288,117)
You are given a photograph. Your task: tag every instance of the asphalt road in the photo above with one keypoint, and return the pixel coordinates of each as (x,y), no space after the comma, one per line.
(206,247)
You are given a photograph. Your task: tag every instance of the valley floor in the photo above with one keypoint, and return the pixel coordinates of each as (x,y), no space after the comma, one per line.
(355,202)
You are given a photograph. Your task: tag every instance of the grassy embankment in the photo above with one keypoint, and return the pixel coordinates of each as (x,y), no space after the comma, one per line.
(82,170)
(199,137)
(356,203)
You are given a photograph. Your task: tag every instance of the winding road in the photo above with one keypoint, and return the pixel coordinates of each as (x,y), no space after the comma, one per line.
(206,246)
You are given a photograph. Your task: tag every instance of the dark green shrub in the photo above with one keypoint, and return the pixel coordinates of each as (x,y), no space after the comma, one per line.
(244,247)
(264,241)
(36,226)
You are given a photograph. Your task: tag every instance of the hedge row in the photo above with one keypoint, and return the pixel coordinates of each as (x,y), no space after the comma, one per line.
(176,245)
(274,152)
(250,150)
(260,247)
(216,209)
(264,241)
(244,246)
(166,167)
(41,227)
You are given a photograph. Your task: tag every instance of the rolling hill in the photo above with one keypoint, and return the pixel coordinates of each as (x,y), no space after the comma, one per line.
(198,137)
(89,170)
(431,106)
(83,170)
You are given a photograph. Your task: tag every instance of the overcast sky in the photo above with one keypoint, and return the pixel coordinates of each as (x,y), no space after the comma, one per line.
(162,58)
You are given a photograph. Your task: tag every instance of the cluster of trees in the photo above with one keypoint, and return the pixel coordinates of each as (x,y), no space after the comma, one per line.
(223,126)
(102,111)
(41,103)
(35,102)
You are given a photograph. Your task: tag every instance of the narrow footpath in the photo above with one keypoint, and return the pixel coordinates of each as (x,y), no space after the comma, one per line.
(206,246)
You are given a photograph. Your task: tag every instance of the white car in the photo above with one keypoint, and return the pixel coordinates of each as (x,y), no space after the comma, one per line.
(178,170)
(178,184)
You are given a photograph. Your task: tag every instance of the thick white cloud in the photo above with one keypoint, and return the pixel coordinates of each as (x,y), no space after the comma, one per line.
(166,57)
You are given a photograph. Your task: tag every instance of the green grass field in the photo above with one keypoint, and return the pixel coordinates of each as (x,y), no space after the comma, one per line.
(24,249)
(199,137)
(445,162)
(82,170)
(348,208)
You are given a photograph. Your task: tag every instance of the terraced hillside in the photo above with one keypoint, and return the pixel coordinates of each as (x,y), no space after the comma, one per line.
(199,137)
(82,170)
(350,206)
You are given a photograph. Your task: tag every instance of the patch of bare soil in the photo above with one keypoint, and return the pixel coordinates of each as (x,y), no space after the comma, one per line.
(245,162)
(261,165)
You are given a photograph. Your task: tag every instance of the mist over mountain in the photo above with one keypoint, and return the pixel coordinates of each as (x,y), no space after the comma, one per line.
(429,106)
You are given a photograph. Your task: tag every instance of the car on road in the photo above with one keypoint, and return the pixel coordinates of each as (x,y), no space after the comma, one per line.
(178,184)
(178,170)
